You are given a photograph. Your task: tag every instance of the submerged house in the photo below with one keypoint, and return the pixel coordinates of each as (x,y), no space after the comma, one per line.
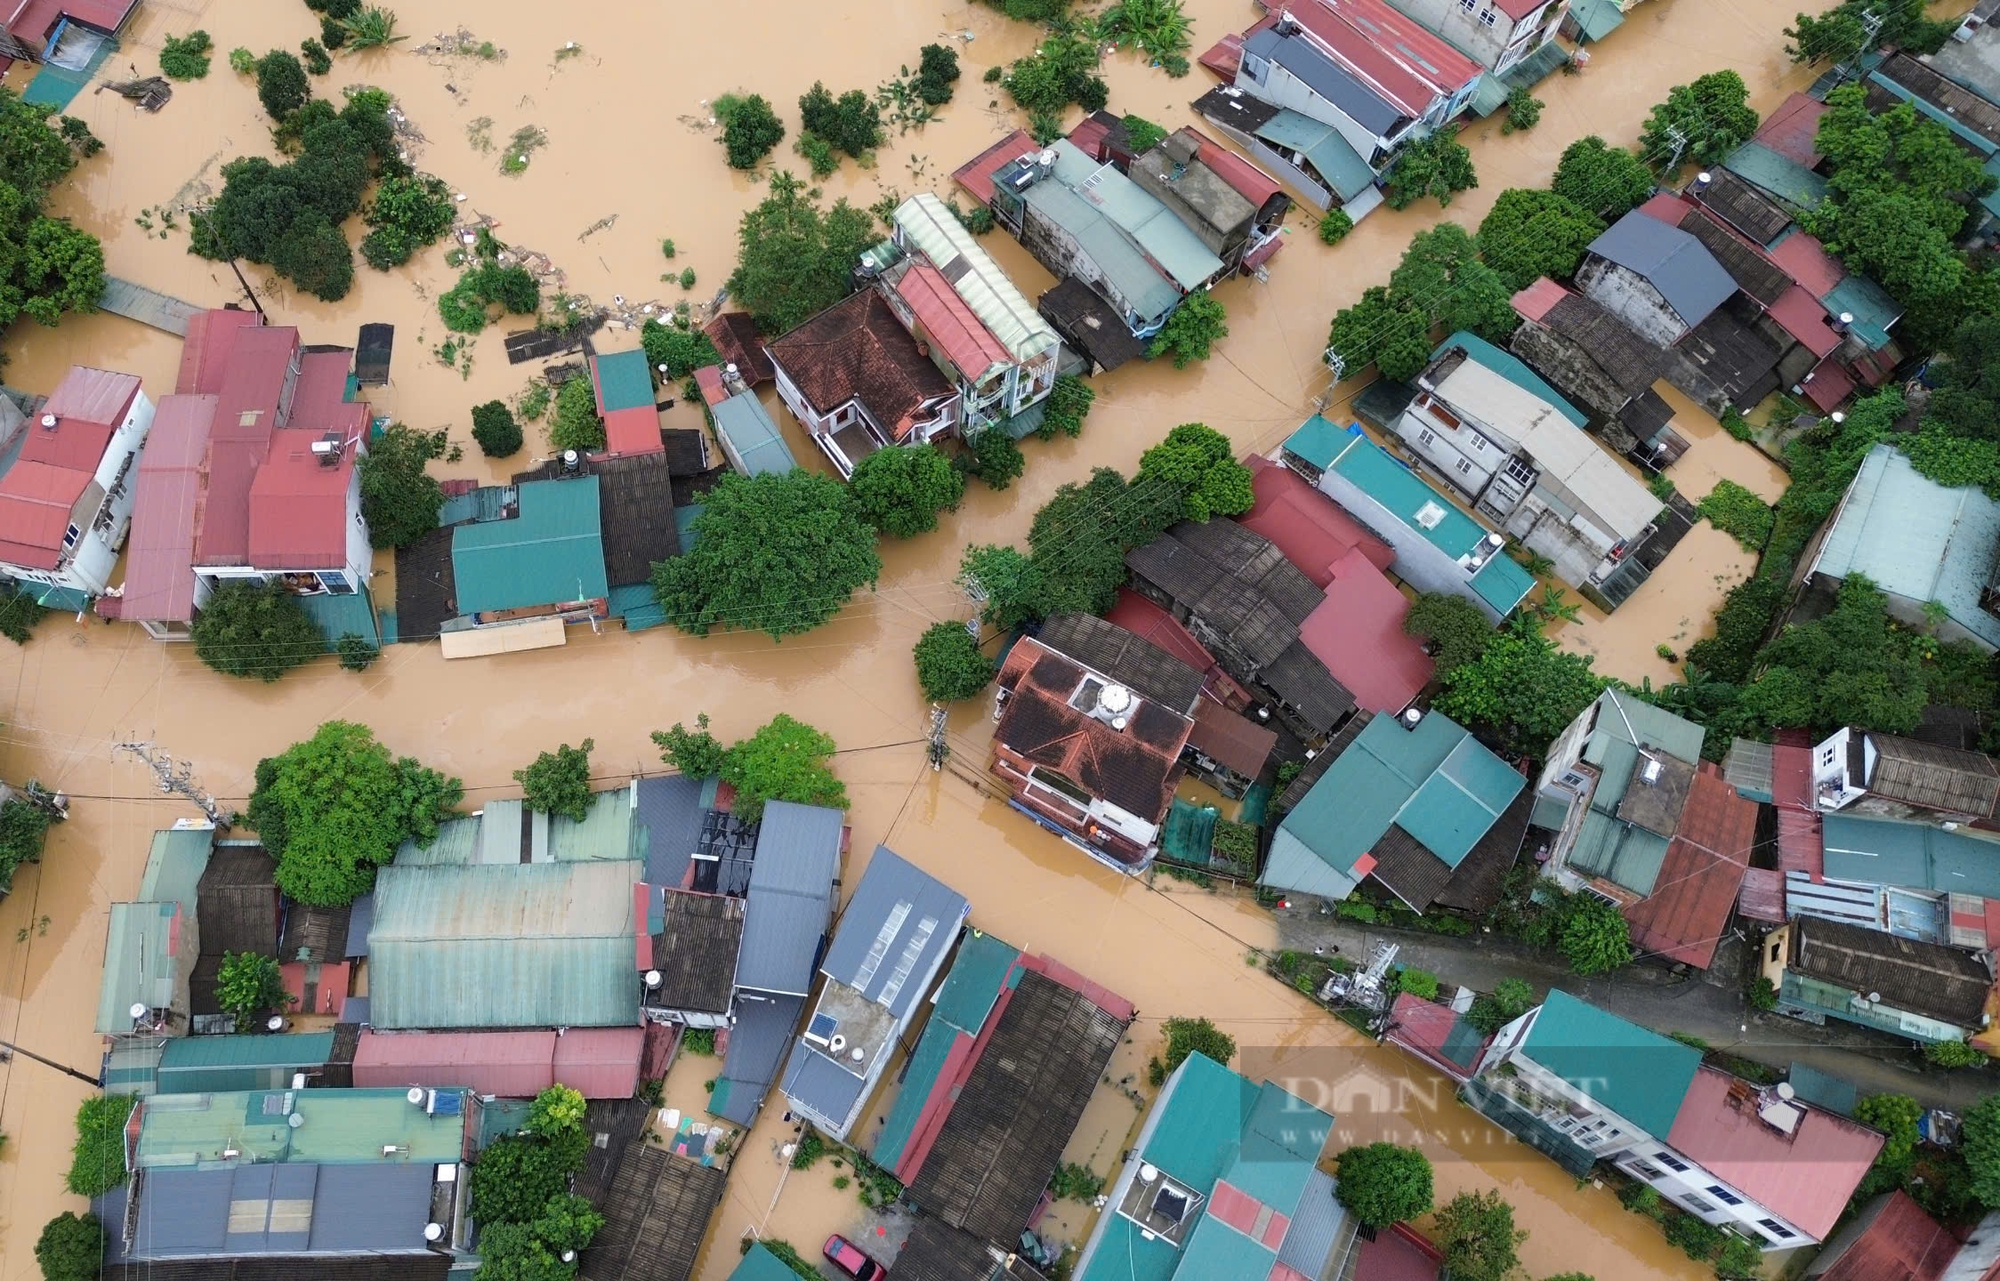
(1415,802)
(1865,774)
(1224,1180)
(1658,279)
(749,436)
(1438,547)
(624,388)
(66,485)
(894,935)
(1236,210)
(1497,34)
(1516,451)
(152,945)
(1595,361)
(534,567)
(858,381)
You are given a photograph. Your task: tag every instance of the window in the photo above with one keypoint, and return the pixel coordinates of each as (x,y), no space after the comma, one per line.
(1671,1162)
(1468,5)
(1487,18)
(70,536)
(1696,1204)
(1464,467)
(1646,1170)
(1778,1231)
(1724,1195)
(1774,950)
(1426,437)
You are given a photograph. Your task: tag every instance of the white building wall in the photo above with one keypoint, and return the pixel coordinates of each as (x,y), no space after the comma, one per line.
(1281,88)
(360,556)
(1708,1198)
(89,562)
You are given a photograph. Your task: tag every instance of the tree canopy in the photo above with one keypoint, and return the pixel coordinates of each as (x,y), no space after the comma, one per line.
(1477,1234)
(334,808)
(1192,331)
(794,258)
(399,499)
(1381,330)
(575,423)
(950,665)
(786,760)
(1840,33)
(1522,687)
(1078,539)
(1200,463)
(851,122)
(247,985)
(1700,122)
(779,554)
(97,1161)
(495,429)
(1596,937)
(1437,164)
(1384,1184)
(558,782)
(901,491)
(252,628)
(682,350)
(1190,1036)
(281,84)
(47,265)
(1608,181)
(1439,281)
(1531,233)
(1980,1138)
(749,128)
(1451,625)
(1010,580)
(71,1247)
(1061,70)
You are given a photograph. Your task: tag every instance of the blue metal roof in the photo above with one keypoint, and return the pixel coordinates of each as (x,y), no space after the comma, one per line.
(898,912)
(551,553)
(751,437)
(758,1040)
(1672,261)
(1327,78)
(1347,174)
(791,897)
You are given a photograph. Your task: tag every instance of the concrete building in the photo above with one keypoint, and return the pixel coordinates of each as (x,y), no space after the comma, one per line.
(1863,773)
(857,381)
(1658,279)
(1824,969)
(1494,33)
(66,485)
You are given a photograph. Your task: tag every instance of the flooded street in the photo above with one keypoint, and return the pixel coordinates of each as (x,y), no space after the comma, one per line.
(627,138)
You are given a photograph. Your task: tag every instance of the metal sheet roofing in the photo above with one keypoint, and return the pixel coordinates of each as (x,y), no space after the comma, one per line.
(751,436)
(791,897)
(1914,855)
(1345,172)
(1874,311)
(931,226)
(1790,130)
(763,1031)
(951,324)
(898,925)
(335,1127)
(600,1062)
(1687,913)
(1597,19)
(254,1212)
(1167,241)
(1144,288)
(1672,261)
(1387,46)
(214,1064)
(139,963)
(552,553)
(1638,1074)
(540,945)
(1325,76)
(159,552)
(1777,174)
(508,1064)
(1913,537)
(174,865)
(1510,367)
(622,380)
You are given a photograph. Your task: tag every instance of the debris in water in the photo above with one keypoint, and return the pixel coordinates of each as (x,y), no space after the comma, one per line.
(525,142)
(480,133)
(602,224)
(150,93)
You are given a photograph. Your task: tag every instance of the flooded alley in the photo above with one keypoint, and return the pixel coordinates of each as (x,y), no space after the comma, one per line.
(631,159)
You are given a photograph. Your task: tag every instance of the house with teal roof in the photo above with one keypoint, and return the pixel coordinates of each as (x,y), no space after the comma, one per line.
(1438,546)
(1224,1181)
(152,945)
(545,557)
(1408,800)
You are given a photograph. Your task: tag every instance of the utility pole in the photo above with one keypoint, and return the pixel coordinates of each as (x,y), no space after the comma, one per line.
(247,289)
(938,749)
(177,778)
(8,1050)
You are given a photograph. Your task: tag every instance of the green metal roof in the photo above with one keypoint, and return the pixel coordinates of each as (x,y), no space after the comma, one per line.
(1509,366)
(1640,1075)
(1317,442)
(1818,1088)
(1139,214)
(624,381)
(1123,1253)
(1606,845)
(1619,852)
(1874,311)
(931,226)
(1217,1252)
(1150,295)
(749,432)
(214,1064)
(528,945)
(1347,175)
(139,963)
(1912,855)
(336,616)
(1195,1136)
(610,831)
(1500,582)
(1783,177)
(337,1127)
(132,1065)
(978,975)
(174,865)
(759,1264)
(1596,19)
(552,553)
(502,1117)
(1435,781)
(636,604)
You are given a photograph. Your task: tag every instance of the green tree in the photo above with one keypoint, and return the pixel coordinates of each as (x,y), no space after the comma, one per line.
(186,57)
(1010,580)
(1697,1240)
(399,499)
(1953,1054)
(70,1248)
(1738,512)
(1334,226)
(1381,1184)
(558,1109)
(1524,111)
(675,352)
(255,629)
(1078,539)
(1477,1234)
(1067,406)
(248,986)
(575,424)
(1062,70)
(1608,181)
(408,212)
(851,122)
(1839,33)
(750,129)
(1192,331)
(558,782)
(1190,1036)
(519,1175)
(786,760)
(19,615)
(1531,233)
(495,430)
(1418,983)
(774,553)
(949,664)
(354,652)
(1384,332)
(97,1162)
(1739,1259)
(1701,121)
(1849,667)
(1522,687)
(1200,464)
(794,259)
(937,68)
(1979,1140)
(695,753)
(335,807)
(24,829)
(1141,134)
(1442,277)
(995,457)
(1596,938)
(1434,165)
(281,84)
(1452,626)
(901,491)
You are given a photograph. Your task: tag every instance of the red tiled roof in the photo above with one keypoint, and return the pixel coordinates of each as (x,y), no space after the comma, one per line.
(736,339)
(1534,302)
(1398,1254)
(1688,911)
(1667,207)
(1225,57)
(1235,741)
(713,390)
(967,343)
(1899,1243)
(976,174)
(1806,261)
(1246,179)
(599,1062)
(159,553)
(297,503)
(858,350)
(1790,129)
(35,502)
(1307,526)
(1134,768)
(33,19)
(1826,386)
(252,384)
(1408,65)
(205,351)
(1801,316)
(1806,1176)
(1357,631)
(632,431)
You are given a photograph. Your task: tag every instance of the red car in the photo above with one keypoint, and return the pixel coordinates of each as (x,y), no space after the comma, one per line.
(841,1253)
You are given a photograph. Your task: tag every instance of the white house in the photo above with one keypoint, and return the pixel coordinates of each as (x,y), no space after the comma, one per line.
(858,382)
(66,485)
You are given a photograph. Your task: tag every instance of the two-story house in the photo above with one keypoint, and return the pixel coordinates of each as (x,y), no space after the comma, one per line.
(1236,209)
(1583,1085)
(1497,34)
(66,486)
(1825,969)
(1656,278)
(1862,772)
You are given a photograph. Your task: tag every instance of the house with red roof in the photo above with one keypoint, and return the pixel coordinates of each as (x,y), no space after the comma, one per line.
(66,485)
(257,479)
(1497,34)
(32,30)
(1892,1238)
(857,381)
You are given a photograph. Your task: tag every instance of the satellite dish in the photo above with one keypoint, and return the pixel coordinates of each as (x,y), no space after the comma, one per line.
(295,1120)
(276,1023)
(1114,698)
(433,1231)
(653,978)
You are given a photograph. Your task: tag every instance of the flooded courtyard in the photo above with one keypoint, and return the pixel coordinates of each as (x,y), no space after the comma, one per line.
(631,160)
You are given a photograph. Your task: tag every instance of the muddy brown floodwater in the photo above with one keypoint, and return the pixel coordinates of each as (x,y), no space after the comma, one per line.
(625,121)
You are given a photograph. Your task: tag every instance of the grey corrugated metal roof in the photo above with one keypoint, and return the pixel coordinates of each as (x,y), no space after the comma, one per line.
(764,1027)
(925,914)
(671,810)
(1675,263)
(1325,77)
(1149,293)
(355,1209)
(360,916)
(822,1085)
(371,1207)
(1316,1224)
(791,896)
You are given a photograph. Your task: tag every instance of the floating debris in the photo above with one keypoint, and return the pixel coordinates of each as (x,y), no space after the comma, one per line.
(527,140)
(480,134)
(602,224)
(150,93)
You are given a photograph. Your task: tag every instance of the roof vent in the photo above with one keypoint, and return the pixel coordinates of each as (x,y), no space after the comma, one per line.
(653,978)
(433,1231)
(49,421)
(1430,516)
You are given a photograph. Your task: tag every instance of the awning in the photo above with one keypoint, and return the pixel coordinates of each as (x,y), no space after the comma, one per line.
(1596,19)
(1343,169)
